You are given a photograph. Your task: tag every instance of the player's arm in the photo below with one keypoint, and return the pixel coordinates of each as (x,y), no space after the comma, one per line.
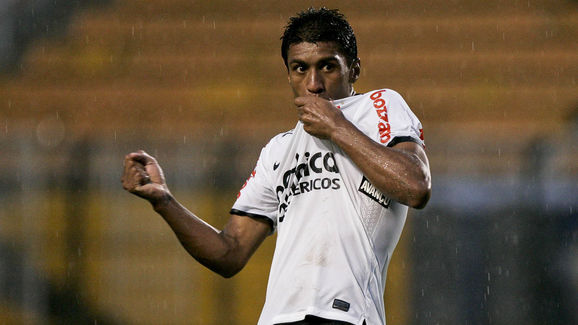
(224,251)
(400,172)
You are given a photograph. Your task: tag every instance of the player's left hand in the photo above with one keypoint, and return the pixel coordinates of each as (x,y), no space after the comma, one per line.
(319,116)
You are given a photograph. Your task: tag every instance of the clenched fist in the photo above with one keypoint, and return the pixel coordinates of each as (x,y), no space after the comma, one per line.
(144,177)
(319,116)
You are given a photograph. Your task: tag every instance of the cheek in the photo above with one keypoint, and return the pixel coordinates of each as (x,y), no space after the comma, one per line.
(296,85)
(339,85)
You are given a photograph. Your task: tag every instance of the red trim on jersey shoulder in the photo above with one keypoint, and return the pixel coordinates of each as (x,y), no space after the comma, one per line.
(253,173)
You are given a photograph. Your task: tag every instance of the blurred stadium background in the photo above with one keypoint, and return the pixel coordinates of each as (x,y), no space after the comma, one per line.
(201,85)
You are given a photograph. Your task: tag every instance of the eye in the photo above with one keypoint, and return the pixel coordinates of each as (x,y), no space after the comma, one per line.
(328,67)
(298,68)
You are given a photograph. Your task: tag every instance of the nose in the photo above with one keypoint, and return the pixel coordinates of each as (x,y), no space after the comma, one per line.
(315,84)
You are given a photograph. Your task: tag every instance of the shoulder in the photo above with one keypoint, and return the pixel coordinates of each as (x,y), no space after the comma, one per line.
(379,103)
(377,99)
(281,139)
(388,99)
(384,93)
(278,143)
(395,119)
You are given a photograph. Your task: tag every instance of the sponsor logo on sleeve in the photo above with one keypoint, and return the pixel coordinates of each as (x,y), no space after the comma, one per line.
(381,109)
(373,193)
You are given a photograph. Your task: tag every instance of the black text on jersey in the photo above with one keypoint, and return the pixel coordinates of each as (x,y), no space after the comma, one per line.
(306,176)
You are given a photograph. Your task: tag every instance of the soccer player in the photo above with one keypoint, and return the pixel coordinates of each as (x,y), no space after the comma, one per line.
(336,188)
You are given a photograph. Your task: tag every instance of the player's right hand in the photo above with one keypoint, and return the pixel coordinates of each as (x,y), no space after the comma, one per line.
(144,177)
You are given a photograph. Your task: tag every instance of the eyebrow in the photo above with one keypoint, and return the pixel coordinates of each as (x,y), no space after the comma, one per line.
(322,60)
(293,61)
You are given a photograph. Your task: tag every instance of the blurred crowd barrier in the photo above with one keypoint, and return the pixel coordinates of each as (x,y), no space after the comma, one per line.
(201,85)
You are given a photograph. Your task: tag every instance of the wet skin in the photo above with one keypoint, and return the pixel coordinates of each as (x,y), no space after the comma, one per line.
(319,69)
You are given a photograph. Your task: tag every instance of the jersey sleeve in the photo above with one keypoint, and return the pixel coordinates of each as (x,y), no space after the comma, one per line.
(405,126)
(256,199)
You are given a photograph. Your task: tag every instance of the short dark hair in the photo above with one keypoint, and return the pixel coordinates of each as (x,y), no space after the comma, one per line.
(320,25)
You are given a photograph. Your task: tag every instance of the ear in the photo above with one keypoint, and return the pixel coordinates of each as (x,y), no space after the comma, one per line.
(355,71)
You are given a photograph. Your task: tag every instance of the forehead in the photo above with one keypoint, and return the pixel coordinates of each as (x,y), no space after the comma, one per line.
(308,52)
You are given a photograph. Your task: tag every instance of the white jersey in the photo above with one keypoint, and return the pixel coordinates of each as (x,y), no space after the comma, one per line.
(336,231)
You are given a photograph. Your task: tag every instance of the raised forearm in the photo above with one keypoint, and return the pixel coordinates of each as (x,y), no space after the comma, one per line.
(225,252)
(209,246)
(401,173)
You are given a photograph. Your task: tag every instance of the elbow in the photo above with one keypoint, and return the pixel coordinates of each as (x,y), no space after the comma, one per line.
(421,195)
(230,261)
(229,272)
(421,201)
(226,269)
(227,275)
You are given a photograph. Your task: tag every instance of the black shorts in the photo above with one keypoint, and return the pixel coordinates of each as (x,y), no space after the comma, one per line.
(314,320)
